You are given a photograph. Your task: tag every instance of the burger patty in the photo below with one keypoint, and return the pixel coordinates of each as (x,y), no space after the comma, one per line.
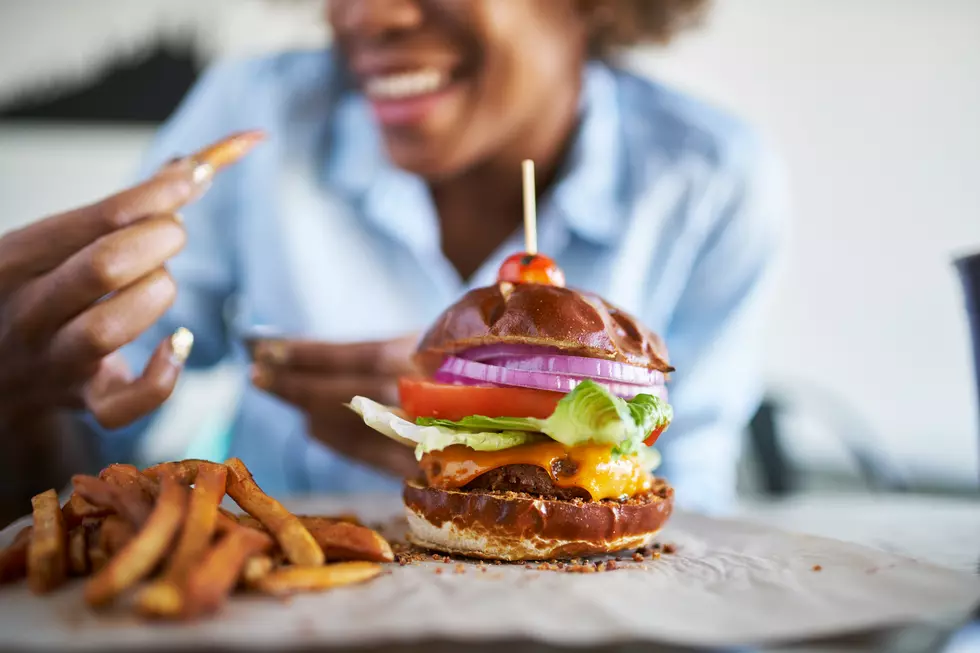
(529,479)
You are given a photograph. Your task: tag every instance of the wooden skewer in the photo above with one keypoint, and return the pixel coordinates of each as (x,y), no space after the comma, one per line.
(530,212)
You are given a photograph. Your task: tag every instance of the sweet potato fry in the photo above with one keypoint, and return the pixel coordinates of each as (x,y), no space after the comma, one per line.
(13,559)
(229,150)
(77,551)
(143,553)
(47,553)
(255,569)
(128,477)
(164,598)
(115,534)
(294,539)
(161,599)
(290,580)
(184,471)
(248,521)
(77,509)
(202,516)
(349,518)
(210,582)
(343,541)
(130,503)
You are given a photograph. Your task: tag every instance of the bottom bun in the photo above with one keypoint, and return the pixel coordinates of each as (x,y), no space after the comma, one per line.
(518,526)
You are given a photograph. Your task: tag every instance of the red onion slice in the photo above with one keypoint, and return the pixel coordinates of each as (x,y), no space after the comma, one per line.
(460,368)
(579,366)
(545,359)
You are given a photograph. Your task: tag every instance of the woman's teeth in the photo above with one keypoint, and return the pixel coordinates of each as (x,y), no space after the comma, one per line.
(404,85)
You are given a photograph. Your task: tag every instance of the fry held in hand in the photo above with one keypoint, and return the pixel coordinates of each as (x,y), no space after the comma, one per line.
(294,539)
(47,553)
(141,555)
(291,580)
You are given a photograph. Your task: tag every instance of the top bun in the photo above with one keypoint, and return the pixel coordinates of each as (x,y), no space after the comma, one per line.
(570,321)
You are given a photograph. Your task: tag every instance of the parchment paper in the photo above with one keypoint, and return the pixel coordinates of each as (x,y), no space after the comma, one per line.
(728,583)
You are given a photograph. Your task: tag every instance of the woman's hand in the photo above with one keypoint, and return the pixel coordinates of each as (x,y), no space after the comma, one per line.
(77,286)
(319,378)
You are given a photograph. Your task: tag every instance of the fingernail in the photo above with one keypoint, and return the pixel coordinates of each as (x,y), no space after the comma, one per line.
(272,351)
(202,174)
(178,218)
(261,378)
(181,343)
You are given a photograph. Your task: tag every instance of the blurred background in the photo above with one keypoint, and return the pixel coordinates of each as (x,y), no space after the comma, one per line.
(873,104)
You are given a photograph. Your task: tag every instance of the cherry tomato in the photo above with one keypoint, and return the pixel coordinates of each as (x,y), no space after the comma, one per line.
(427,398)
(531,268)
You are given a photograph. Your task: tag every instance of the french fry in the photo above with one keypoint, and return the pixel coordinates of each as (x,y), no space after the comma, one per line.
(142,554)
(13,559)
(344,541)
(209,583)
(130,502)
(255,569)
(184,471)
(164,598)
(115,534)
(248,521)
(290,580)
(77,551)
(229,150)
(294,539)
(77,509)
(347,517)
(47,552)
(202,516)
(129,478)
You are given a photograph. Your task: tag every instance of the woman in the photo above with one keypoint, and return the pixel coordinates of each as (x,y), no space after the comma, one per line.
(390,185)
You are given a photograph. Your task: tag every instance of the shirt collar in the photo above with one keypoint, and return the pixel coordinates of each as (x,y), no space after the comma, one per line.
(590,197)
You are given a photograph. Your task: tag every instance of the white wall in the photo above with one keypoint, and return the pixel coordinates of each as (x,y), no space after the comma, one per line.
(875,105)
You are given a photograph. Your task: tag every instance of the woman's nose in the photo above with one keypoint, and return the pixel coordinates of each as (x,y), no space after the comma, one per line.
(374,19)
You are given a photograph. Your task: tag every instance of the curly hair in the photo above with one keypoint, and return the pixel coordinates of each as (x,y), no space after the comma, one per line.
(618,24)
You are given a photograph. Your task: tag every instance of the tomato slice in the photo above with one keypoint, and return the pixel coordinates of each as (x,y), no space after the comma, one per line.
(654,434)
(426,398)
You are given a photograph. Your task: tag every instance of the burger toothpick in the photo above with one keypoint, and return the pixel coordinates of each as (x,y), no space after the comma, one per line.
(529,266)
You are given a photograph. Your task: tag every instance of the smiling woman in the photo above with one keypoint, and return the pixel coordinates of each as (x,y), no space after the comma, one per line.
(391,184)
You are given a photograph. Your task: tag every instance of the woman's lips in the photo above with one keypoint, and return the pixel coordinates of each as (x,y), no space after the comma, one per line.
(405,98)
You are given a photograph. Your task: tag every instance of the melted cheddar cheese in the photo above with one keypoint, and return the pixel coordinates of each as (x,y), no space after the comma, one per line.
(590,467)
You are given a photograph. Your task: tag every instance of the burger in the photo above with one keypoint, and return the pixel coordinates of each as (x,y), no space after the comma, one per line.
(533,421)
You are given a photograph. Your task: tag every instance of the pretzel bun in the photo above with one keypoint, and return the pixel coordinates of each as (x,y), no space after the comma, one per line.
(571,322)
(519,526)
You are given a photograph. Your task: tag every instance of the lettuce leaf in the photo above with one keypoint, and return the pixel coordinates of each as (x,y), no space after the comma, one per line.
(587,414)
(428,438)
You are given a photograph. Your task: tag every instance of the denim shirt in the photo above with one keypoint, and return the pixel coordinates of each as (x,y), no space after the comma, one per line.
(665,206)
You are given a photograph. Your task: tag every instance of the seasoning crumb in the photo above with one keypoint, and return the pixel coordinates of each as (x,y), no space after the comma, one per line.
(483,569)
(438,570)
(817,568)
(496,562)
(643,551)
(637,557)
(436,557)
(460,568)
(656,546)
(669,548)
(610,565)
(655,555)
